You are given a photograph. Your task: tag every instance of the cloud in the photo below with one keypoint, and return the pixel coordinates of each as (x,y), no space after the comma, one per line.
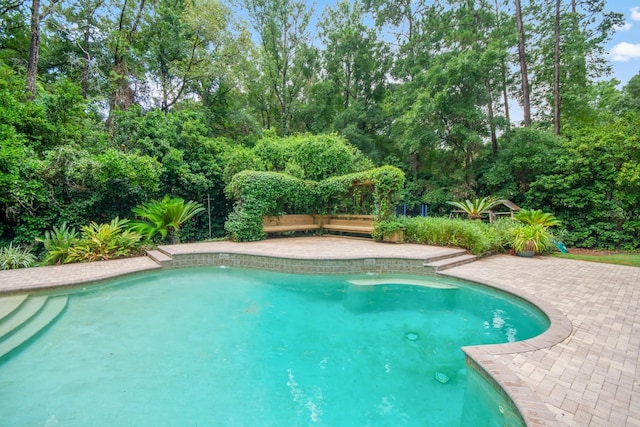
(635,13)
(624,27)
(625,51)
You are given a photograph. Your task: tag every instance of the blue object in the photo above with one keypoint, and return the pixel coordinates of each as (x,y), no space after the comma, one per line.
(561,247)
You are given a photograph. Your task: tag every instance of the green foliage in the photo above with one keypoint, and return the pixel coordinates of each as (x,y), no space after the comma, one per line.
(534,238)
(266,193)
(165,217)
(477,207)
(272,193)
(388,227)
(12,257)
(531,217)
(589,186)
(524,155)
(99,242)
(57,243)
(475,236)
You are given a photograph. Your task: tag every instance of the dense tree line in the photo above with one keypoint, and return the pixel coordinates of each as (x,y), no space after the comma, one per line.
(107,104)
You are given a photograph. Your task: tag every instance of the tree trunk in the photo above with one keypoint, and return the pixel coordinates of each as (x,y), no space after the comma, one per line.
(503,74)
(556,73)
(34,47)
(492,126)
(524,75)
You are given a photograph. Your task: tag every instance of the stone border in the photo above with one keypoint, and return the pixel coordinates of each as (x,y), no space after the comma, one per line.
(304,266)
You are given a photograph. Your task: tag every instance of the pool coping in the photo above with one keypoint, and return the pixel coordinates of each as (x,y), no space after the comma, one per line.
(530,405)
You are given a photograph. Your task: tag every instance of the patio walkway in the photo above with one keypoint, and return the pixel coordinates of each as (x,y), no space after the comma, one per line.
(590,378)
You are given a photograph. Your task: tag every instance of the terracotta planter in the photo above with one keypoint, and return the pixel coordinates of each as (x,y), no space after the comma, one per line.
(396,236)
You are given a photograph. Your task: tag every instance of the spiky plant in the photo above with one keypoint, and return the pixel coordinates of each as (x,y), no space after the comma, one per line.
(476,207)
(104,241)
(534,238)
(164,217)
(12,257)
(534,216)
(57,243)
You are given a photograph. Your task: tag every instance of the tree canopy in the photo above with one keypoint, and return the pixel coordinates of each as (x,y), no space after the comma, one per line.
(107,105)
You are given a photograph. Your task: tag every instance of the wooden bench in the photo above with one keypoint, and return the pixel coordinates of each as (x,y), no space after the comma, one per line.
(283,223)
(358,224)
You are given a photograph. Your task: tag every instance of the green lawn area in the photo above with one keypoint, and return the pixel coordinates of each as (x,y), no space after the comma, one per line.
(632,259)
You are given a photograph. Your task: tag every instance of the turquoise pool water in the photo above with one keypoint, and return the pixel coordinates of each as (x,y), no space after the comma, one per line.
(235,347)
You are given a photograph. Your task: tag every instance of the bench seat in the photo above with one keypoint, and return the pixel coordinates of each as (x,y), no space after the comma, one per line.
(349,228)
(358,224)
(283,228)
(284,223)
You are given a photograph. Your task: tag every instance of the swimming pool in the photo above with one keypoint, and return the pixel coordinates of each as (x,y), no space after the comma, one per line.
(239,347)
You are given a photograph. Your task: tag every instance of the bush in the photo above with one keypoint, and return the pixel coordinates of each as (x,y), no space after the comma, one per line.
(104,241)
(12,257)
(475,236)
(57,243)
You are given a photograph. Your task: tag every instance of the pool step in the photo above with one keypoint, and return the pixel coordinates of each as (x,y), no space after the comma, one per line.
(450,262)
(32,316)
(159,257)
(29,308)
(9,304)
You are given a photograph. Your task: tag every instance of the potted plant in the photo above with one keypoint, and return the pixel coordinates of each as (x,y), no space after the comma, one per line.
(531,239)
(391,230)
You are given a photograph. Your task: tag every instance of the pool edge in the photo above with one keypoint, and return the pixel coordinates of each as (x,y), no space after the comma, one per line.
(530,406)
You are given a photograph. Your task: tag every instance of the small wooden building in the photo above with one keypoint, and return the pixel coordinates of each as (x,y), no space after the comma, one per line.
(500,212)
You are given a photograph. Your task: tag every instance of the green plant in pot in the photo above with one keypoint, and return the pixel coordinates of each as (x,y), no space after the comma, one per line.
(531,239)
(391,230)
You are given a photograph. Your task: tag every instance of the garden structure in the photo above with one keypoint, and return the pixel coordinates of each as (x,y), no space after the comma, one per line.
(270,202)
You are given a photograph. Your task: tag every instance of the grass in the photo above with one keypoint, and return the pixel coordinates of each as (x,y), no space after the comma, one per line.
(632,259)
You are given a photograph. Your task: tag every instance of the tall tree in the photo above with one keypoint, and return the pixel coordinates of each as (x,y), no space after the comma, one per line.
(356,65)
(568,48)
(124,37)
(34,45)
(522,59)
(287,56)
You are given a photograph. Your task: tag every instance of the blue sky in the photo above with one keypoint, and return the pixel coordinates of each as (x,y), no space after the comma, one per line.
(624,48)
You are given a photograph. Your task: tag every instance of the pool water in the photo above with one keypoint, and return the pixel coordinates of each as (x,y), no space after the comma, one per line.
(236,347)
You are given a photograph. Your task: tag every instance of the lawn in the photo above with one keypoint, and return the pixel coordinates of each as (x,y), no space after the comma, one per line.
(632,259)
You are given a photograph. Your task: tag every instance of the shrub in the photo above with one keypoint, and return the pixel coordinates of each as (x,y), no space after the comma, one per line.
(530,217)
(477,207)
(12,257)
(534,238)
(57,243)
(165,217)
(475,236)
(104,241)
(388,227)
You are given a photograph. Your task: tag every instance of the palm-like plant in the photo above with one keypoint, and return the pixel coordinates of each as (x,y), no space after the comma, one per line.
(534,238)
(476,207)
(57,243)
(534,216)
(165,217)
(103,241)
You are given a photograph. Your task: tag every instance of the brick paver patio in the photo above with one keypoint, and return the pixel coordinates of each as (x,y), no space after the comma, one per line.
(588,379)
